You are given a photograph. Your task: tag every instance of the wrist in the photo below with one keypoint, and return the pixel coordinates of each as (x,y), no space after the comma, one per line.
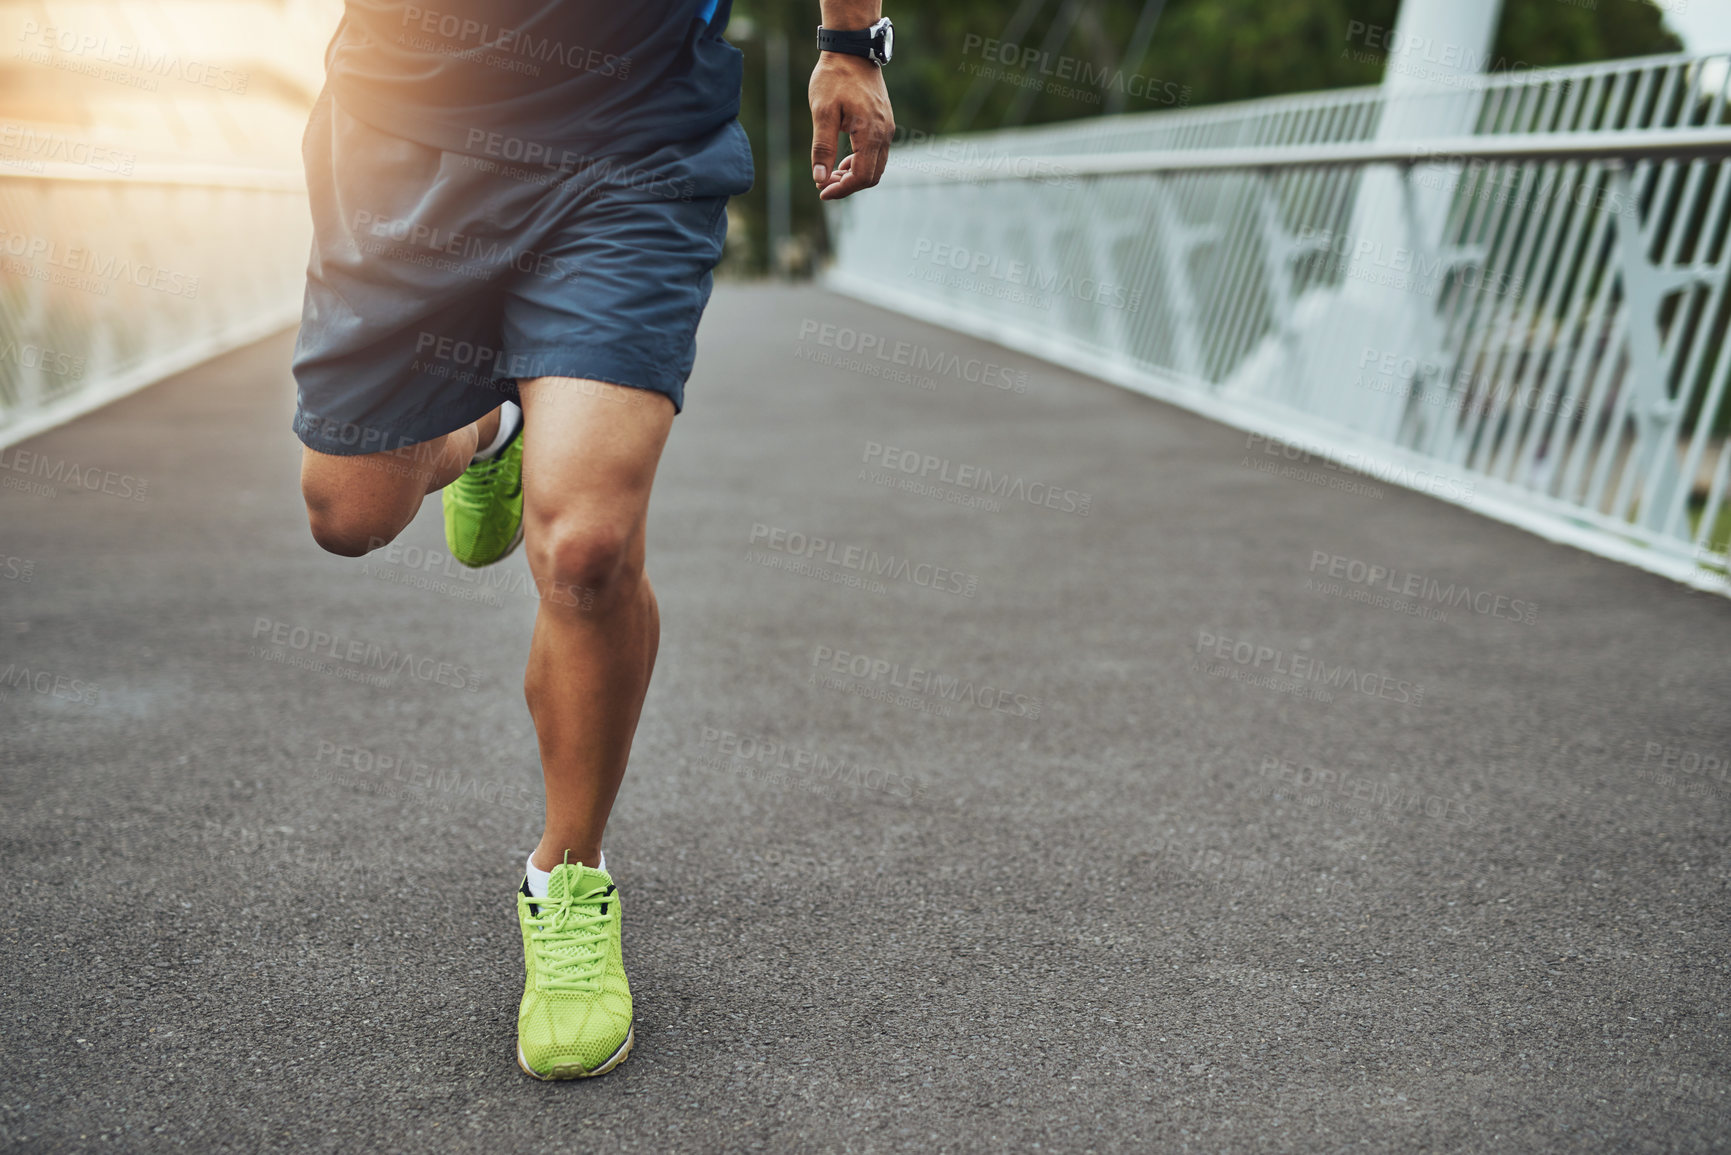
(851,15)
(846,61)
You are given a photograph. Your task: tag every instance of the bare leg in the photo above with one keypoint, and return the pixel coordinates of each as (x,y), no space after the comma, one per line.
(356,504)
(589,461)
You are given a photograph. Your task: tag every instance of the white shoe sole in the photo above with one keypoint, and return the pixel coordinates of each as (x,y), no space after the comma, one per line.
(572,1070)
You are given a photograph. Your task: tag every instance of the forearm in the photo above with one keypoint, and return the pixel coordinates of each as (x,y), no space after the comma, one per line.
(847,94)
(851,14)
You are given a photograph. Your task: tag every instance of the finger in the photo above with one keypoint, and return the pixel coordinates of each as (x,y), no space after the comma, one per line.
(873,150)
(837,175)
(885,138)
(846,182)
(840,184)
(864,168)
(825,128)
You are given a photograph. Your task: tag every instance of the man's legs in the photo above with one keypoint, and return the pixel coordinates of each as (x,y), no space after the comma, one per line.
(589,459)
(590,451)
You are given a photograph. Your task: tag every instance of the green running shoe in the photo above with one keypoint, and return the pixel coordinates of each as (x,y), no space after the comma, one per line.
(575,1020)
(484,508)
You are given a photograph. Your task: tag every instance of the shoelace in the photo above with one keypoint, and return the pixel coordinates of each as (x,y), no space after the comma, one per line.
(478,481)
(570,941)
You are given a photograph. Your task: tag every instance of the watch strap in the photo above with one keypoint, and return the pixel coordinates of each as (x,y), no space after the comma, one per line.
(857,42)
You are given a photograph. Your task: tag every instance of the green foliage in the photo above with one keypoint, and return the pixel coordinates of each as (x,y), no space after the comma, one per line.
(1201,52)
(1238,49)
(1549,33)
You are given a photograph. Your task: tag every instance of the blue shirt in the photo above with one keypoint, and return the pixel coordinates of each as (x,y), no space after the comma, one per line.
(537,81)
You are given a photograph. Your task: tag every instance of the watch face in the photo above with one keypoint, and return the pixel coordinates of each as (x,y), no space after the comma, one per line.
(887,38)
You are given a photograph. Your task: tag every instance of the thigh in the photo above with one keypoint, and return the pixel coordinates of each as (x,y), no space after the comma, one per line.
(590,450)
(617,286)
(374,489)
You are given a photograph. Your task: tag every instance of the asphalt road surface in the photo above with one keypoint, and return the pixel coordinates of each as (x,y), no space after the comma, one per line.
(1133,813)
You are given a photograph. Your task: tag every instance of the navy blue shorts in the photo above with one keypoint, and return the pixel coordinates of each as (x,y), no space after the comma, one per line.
(438,280)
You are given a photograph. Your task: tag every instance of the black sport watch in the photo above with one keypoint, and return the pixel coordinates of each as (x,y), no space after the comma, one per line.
(876,43)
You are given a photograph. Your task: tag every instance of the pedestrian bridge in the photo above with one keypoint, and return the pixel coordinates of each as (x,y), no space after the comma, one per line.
(1031,759)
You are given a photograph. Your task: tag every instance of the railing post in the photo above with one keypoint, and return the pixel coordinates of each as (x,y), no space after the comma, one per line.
(1647,285)
(1178,241)
(1280,250)
(1101,236)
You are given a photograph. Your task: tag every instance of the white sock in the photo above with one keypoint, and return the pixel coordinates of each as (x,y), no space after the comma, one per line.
(510,420)
(538,879)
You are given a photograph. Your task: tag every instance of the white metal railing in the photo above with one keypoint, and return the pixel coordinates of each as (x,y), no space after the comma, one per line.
(114,275)
(1524,309)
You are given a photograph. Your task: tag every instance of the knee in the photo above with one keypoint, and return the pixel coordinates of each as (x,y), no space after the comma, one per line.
(584,563)
(343,537)
(343,529)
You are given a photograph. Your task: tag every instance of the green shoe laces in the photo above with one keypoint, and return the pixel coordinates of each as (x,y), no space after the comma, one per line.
(475,486)
(569,937)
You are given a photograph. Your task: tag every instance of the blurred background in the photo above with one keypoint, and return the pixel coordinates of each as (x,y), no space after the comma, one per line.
(1214,51)
(229,81)
(184,82)
(152,209)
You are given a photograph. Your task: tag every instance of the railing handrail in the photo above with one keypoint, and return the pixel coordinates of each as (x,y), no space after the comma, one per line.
(201,175)
(1620,145)
(1333,98)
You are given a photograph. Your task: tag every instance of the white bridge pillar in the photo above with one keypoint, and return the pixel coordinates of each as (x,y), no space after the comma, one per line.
(1434,50)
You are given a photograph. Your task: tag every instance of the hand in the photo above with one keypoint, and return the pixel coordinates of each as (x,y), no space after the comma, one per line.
(847,94)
